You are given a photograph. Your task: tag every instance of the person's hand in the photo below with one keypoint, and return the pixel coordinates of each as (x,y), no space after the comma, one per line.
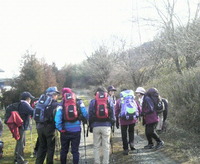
(143,114)
(91,130)
(117,124)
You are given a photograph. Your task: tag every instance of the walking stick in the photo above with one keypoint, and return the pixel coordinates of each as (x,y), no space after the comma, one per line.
(111,142)
(31,132)
(85,142)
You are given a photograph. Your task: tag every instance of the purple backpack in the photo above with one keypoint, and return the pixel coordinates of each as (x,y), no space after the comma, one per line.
(129,108)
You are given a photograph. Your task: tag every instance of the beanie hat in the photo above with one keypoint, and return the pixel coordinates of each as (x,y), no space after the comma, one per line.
(66,90)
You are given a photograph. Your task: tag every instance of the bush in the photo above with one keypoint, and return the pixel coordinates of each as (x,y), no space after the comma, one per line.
(183,93)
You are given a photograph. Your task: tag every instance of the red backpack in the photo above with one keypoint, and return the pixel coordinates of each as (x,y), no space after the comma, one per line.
(102,110)
(70,108)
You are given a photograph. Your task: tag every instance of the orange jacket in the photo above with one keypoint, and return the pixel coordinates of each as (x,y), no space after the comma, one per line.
(14,122)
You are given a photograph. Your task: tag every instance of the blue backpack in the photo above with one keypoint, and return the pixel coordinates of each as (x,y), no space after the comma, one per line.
(129,108)
(42,112)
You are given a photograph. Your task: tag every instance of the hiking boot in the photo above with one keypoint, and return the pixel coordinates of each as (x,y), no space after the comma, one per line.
(125,152)
(132,148)
(149,146)
(159,145)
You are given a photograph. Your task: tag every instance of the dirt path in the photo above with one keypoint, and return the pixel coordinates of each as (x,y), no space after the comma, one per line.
(138,156)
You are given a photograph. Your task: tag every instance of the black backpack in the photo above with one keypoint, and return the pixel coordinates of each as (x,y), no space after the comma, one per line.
(1,149)
(159,105)
(10,108)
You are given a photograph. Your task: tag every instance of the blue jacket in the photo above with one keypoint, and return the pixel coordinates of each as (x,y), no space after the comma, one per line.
(69,126)
(95,123)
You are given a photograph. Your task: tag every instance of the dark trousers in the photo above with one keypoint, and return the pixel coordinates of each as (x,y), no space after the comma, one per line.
(150,132)
(46,137)
(68,138)
(127,131)
(36,145)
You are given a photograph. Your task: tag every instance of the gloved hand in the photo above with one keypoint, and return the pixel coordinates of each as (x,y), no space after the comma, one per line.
(117,124)
(91,130)
(62,131)
(142,114)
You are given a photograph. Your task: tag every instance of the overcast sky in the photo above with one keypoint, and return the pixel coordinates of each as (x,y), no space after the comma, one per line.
(63,31)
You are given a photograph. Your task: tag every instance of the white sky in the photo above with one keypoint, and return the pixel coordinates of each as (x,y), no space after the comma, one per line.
(63,31)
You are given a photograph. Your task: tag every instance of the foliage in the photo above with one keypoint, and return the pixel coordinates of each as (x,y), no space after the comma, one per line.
(183,94)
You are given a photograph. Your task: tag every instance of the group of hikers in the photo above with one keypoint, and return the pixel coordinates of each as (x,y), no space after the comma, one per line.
(67,116)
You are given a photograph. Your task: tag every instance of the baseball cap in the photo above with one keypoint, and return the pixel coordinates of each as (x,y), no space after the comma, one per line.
(26,95)
(111,88)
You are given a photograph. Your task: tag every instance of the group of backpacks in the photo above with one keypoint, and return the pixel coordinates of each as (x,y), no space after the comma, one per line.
(129,107)
(71,105)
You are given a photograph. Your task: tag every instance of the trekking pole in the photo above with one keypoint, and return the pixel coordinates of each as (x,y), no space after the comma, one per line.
(137,132)
(84,142)
(111,139)
(58,145)
(111,142)
(31,132)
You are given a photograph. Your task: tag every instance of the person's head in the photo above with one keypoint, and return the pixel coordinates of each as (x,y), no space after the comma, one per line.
(140,91)
(111,90)
(100,89)
(153,92)
(66,90)
(53,92)
(27,96)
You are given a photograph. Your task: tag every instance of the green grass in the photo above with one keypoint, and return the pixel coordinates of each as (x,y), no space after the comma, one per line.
(10,142)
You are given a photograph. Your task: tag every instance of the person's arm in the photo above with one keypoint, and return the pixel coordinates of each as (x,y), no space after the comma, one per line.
(27,109)
(84,113)
(1,127)
(58,119)
(117,111)
(149,105)
(91,111)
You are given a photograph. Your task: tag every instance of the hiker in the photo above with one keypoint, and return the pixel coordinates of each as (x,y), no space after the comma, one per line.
(161,126)
(140,92)
(46,128)
(150,118)
(1,142)
(111,95)
(100,122)
(25,111)
(68,121)
(1,127)
(127,111)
